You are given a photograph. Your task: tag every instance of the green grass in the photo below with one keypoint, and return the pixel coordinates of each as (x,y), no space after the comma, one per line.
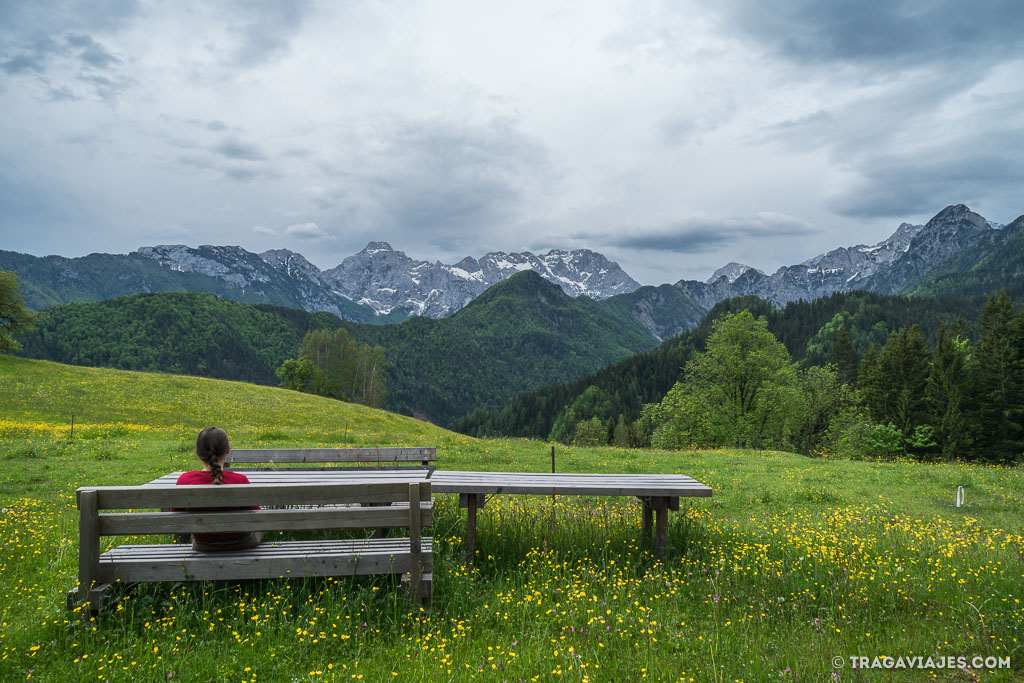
(794,561)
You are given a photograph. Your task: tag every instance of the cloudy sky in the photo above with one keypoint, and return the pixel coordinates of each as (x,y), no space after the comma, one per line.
(672,137)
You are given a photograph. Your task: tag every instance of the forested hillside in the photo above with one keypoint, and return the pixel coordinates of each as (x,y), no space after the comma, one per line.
(184,333)
(808,330)
(520,334)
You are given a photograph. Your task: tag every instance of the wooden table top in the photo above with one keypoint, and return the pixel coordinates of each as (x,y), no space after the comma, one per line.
(453,481)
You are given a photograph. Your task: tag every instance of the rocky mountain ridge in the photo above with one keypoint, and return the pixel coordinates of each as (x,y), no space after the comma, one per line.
(883,267)
(386,280)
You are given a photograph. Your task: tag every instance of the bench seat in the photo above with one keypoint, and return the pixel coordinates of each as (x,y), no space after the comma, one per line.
(282,559)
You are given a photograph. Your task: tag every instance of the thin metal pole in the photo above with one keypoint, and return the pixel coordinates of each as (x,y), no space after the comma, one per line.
(552,469)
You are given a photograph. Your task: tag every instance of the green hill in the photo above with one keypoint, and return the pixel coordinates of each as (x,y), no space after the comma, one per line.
(40,399)
(520,334)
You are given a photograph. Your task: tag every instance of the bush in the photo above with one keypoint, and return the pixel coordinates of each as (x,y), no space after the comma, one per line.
(863,440)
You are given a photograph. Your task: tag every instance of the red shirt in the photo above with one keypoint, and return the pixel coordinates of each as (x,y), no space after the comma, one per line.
(203,477)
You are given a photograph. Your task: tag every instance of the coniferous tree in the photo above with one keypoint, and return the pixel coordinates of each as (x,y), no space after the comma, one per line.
(844,358)
(910,365)
(946,391)
(999,381)
(895,385)
(871,383)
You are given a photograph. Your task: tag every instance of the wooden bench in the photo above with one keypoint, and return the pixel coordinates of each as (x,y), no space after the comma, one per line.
(352,458)
(404,504)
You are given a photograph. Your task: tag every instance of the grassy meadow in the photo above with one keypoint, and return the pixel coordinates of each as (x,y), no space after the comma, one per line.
(791,568)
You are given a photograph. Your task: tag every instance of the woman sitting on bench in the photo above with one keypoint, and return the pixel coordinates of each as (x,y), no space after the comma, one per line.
(212,448)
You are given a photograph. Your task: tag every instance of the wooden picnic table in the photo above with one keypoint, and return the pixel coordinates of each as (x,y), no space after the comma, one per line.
(658,493)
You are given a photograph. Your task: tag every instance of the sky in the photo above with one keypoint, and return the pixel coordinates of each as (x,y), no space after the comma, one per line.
(673,137)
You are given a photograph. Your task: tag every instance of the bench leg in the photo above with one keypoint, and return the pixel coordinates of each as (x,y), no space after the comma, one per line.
(425,589)
(471,529)
(96,599)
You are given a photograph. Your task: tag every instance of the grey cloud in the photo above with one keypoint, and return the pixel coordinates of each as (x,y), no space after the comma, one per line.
(23,63)
(92,53)
(230,171)
(705,234)
(31,31)
(234,148)
(32,55)
(96,67)
(213,125)
(105,87)
(232,157)
(266,31)
(57,16)
(242,175)
(982,163)
(884,117)
(898,32)
(897,186)
(62,94)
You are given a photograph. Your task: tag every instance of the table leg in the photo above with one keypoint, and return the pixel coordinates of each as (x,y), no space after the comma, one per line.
(470,529)
(661,528)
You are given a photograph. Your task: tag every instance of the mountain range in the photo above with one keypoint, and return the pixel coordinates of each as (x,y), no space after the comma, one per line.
(382,285)
(887,267)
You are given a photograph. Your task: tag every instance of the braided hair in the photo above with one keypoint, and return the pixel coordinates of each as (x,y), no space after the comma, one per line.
(211,445)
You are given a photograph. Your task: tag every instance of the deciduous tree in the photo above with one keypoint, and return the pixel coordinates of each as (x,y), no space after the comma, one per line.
(14,317)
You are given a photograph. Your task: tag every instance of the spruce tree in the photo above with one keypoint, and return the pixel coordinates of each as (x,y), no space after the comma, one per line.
(843,358)
(872,384)
(999,381)
(946,389)
(907,371)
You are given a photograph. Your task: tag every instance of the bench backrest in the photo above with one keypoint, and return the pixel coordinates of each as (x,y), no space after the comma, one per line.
(375,458)
(273,498)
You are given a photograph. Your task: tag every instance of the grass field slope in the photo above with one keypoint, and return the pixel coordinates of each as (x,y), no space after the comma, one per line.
(792,568)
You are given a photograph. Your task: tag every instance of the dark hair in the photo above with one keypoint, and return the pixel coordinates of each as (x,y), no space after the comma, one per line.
(211,445)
